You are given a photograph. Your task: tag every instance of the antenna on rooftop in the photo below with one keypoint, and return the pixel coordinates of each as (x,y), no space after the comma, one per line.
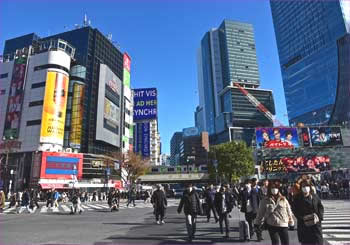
(109,36)
(85,23)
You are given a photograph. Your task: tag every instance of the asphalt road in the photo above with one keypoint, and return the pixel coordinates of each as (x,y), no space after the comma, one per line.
(137,226)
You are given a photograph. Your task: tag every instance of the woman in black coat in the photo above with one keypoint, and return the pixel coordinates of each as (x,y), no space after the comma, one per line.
(308,203)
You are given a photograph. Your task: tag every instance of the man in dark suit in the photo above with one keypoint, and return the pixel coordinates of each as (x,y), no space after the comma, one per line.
(250,202)
(223,204)
(160,203)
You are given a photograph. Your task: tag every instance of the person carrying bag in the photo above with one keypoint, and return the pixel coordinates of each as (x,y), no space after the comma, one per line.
(276,213)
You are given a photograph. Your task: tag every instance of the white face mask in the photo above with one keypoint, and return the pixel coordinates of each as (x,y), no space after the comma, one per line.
(189,189)
(274,191)
(306,189)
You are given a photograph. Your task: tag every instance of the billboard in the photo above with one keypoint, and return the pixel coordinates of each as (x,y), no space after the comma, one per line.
(108,123)
(111,116)
(145,104)
(326,136)
(77,115)
(277,137)
(15,98)
(126,70)
(305,137)
(296,164)
(60,165)
(142,144)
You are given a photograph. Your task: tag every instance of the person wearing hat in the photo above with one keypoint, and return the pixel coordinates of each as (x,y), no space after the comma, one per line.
(2,200)
(160,203)
(191,204)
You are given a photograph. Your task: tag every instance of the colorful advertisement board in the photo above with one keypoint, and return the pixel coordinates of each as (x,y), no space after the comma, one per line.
(60,165)
(126,70)
(54,109)
(296,164)
(142,145)
(326,136)
(77,115)
(305,137)
(15,98)
(277,138)
(145,104)
(111,116)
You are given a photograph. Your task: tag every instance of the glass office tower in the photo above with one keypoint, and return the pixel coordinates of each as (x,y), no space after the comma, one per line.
(227,55)
(307,34)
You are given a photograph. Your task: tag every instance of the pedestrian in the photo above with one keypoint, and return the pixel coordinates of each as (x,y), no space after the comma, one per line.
(34,200)
(76,202)
(24,202)
(250,203)
(49,198)
(275,212)
(2,201)
(209,196)
(191,204)
(308,209)
(223,204)
(147,197)
(131,197)
(160,203)
(56,197)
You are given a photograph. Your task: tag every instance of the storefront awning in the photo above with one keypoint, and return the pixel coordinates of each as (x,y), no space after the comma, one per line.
(55,185)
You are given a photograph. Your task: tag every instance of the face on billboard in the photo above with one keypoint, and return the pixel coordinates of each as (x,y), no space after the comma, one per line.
(326,136)
(277,137)
(54,108)
(111,115)
(145,104)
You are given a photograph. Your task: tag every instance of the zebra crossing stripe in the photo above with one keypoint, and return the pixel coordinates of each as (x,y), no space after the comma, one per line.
(9,210)
(335,222)
(43,209)
(65,208)
(102,206)
(94,206)
(85,207)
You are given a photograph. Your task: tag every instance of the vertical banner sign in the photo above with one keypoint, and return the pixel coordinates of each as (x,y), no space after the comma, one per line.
(54,112)
(305,137)
(146,139)
(77,115)
(126,70)
(145,104)
(15,98)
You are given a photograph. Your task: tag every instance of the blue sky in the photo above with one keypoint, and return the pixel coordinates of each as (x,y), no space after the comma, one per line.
(162,38)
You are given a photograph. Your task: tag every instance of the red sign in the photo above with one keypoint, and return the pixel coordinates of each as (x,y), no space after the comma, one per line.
(126,64)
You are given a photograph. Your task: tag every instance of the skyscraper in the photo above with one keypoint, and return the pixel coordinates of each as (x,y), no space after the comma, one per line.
(226,56)
(308,34)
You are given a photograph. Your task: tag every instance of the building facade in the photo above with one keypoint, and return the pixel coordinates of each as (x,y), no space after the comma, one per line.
(92,49)
(175,142)
(226,56)
(194,149)
(307,35)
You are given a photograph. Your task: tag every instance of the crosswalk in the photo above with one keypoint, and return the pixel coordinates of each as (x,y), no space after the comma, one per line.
(336,223)
(66,207)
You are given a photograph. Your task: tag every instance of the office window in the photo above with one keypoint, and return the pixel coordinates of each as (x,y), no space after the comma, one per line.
(38,85)
(34,122)
(36,103)
(4,75)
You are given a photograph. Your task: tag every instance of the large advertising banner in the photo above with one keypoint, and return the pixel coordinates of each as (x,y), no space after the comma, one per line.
(145,104)
(111,116)
(77,115)
(277,138)
(126,70)
(326,136)
(142,144)
(60,165)
(296,164)
(305,137)
(54,112)
(15,98)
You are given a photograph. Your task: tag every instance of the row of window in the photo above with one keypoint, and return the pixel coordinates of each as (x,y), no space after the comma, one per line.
(4,75)
(47,66)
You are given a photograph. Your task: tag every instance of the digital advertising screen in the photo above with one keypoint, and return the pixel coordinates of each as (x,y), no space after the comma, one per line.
(15,98)
(54,108)
(305,137)
(126,69)
(326,136)
(145,104)
(77,115)
(142,145)
(111,116)
(60,165)
(296,164)
(277,138)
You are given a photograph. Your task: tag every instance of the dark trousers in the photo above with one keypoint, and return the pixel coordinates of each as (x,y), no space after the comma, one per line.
(131,200)
(160,213)
(224,217)
(49,202)
(249,217)
(277,234)
(191,225)
(211,208)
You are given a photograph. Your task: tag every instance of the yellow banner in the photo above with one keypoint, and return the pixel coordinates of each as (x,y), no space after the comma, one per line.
(77,115)
(54,111)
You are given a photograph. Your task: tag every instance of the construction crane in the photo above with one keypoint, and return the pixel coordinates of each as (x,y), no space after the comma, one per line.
(259,105)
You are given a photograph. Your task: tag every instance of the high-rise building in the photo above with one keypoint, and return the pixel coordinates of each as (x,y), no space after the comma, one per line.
(175,142)
(93,50)
(226,56)
(194,147)
(311,40)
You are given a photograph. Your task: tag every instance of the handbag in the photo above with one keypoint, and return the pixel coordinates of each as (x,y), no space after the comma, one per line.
(311,219)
